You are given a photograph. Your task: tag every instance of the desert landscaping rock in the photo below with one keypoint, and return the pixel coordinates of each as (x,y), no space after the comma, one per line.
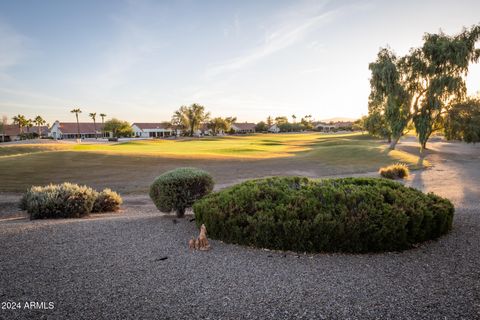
(107,266)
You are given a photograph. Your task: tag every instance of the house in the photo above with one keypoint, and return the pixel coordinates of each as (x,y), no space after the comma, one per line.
(70,130)
(244,127)
(274,129)
(325,127)
(11,132)
(334,126)
(152,130)
(344,125)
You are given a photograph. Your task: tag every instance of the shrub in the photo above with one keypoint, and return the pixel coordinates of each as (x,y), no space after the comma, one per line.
(66,200)
(179,189)
(335,215)
(107,201)
(395,171)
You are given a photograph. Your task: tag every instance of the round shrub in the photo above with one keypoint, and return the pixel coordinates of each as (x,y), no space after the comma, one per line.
(178,189)
(65,200)
(331,215)
(107,201)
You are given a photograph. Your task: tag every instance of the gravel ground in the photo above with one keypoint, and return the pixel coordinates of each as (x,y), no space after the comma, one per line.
(113,266)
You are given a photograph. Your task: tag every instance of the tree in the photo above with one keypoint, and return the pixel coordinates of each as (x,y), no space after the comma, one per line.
(118,128)
(462,121)
(436,77)
(269,121)
(281,120)
(77,111)
(294,118)
(39,121)
(29,124)
(3,124)
(190,118)
(21,121)
(93,116)
(103,115)
(376,125)
(359,124)
(219,124)
(307,122)
(389,97)
(261,127)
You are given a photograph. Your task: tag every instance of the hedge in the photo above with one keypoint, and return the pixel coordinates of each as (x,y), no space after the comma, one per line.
(331,215)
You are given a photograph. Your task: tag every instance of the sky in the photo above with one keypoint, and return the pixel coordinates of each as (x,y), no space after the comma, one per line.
(139,60)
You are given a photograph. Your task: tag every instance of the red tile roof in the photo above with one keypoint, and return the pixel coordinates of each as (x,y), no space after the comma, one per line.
(14,130)
(245,126)
(152,125)
(85,127)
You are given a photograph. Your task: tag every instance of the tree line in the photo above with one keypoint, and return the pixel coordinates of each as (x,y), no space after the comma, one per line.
(425,90)
(283,124)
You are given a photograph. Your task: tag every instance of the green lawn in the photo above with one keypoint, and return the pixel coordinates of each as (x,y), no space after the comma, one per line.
(131,166)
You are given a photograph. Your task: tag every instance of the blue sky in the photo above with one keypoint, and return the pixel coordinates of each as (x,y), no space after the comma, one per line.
(141,60)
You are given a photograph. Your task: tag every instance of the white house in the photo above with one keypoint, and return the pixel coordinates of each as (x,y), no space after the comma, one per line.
(325,127)
(73,130)
(274,129)
(152,130)
(244,127)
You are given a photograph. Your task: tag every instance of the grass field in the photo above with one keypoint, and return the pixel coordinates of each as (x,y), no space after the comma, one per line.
(131,166)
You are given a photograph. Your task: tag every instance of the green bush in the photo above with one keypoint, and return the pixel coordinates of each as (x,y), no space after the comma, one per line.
(334,215)
(107,201)
(178,189)
(67,200)
(395,171)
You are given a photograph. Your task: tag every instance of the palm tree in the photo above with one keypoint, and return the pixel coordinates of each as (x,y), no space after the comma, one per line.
(77,111)
(21,121)
(93,115)
(294,117)
(29,125)
(39,122)
(103,115)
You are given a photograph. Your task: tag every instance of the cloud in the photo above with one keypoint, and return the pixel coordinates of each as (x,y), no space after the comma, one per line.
(233,28)
(281,38)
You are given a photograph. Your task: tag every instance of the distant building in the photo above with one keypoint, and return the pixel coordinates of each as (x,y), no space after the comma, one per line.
(69,130)
(334,126)
(12,132)
(152,130)
(274,129)
(244,127)
(325,127)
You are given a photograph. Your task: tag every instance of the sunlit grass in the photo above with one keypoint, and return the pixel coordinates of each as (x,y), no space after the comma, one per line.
(131,166)
(252,146)
(341,149)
